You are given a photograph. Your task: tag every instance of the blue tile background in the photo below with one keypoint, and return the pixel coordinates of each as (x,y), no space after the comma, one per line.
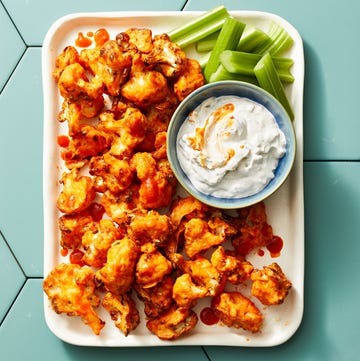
(331,320)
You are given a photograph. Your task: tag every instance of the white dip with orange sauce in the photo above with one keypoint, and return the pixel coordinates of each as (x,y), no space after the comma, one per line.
(230,146)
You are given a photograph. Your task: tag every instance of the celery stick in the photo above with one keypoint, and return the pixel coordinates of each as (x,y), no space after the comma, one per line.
(200,27)
(207,44)
(204,59)
(228,39)
(280,40)
(244,63)
(251,39)
(269,80)
(222,74)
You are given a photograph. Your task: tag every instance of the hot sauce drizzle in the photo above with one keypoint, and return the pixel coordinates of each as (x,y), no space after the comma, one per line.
(101,36)
(76,257)
(208,317)
(82,41)
(275,246)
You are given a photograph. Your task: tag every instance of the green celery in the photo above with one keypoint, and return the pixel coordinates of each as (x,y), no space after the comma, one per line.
(200,27)
(228,39)
(222,74)
(251,39)
(280,40)
(243,63)
(269,80)
(204,59)
(207,44)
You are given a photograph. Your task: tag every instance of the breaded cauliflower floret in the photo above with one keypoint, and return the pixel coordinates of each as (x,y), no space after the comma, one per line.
(156,299)
(123,311)
(270,285)
(117,274)
(97,241)
(71,290)
(172,324)
(235,310)
(77,193)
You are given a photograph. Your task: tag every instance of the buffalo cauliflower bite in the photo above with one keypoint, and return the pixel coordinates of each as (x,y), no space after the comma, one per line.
(157,299)
(203,274)
(190,79)
(97,241)
(175,322)
(72,228)
(77,192)
(88,142)
(198,237)
(186,293)
(127,130)
(119,207)
(151,266)
(109,64)
(254,230)
(145,87)
(112,173)
(235,269)
(123,311)
(235,310)
(68,56)
(166,55)
(141,38)
(117,274)
(73,84)
(270,285)
(71,290)
(150,226)
(156,190)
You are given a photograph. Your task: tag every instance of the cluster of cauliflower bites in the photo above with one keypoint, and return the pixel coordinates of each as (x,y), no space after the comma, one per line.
(143,241)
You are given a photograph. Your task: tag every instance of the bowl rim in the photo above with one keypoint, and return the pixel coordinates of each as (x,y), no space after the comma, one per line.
(261,96)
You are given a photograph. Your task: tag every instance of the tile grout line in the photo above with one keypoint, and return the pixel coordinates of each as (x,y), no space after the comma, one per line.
(12,21)
(13,254)
(13,301)
(206,354)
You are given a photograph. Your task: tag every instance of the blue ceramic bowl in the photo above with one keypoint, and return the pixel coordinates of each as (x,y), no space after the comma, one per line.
(240,89)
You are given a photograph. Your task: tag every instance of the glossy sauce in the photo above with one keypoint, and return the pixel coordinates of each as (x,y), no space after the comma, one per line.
(101,36)
(63,141)
(97,211)
(82,41)
(230,146)
(208,317)
(275,246)
(76,257)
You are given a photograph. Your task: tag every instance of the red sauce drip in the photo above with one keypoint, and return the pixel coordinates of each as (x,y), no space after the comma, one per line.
(275,246)
(260,252)
(64,252)
(82,41)
(97,211)
(90,34)
(208,317)
(76,257)
(63,141)
(101,36)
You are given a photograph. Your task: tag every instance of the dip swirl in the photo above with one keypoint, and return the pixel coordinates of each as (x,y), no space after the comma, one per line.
(230,146)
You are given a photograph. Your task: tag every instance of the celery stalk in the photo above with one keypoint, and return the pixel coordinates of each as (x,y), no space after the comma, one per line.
(200,27)
(244,63)
(208,43)
(228,39)
(251,39)
(280,40)
(222,74)
(269,80)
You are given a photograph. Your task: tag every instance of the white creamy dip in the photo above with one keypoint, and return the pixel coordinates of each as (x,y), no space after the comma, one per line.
(230,146)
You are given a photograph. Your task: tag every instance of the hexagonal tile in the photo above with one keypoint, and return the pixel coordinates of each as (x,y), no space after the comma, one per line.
(12,44)
(11,278)
(21,220)
(50,11)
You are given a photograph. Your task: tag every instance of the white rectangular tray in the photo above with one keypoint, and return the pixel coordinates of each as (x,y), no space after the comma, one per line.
(285,208)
